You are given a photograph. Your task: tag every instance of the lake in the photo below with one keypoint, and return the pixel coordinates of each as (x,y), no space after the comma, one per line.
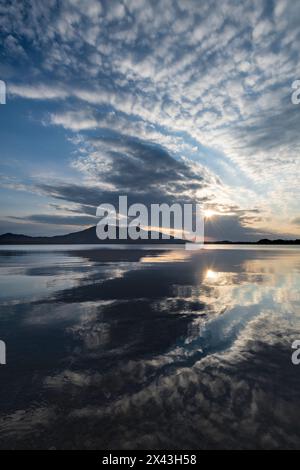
(149,349)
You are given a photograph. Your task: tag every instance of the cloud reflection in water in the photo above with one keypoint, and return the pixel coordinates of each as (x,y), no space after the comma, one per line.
(152,350)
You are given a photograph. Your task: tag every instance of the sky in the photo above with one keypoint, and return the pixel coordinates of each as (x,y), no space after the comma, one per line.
(162,101)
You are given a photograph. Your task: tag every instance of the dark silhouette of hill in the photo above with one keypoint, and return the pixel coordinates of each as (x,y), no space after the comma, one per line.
(87,236)
(263,241)
(266,241)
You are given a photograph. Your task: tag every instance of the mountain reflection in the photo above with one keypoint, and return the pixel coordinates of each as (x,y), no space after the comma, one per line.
(112,349)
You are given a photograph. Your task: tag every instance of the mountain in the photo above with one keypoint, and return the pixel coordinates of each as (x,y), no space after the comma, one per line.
(266,241)
(83,237)
(89,237)
(263,241)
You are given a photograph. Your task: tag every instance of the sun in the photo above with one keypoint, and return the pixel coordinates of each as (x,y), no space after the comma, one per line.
(208,213)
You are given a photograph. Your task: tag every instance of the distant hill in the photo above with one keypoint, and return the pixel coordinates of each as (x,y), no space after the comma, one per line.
(84,237)
(89,237)
(263,241)
(266,241)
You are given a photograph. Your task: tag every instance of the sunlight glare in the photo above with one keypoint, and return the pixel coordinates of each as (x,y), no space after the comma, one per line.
(208,213)
(211,275)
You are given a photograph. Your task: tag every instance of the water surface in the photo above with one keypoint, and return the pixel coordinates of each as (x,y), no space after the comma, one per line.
(127,349)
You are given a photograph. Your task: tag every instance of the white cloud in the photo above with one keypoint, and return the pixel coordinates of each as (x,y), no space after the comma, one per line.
(181,74)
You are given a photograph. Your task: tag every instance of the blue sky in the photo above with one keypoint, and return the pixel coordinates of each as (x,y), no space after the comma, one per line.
(159,100)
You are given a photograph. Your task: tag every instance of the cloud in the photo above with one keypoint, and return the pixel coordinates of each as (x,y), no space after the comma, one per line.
(296,221)
(129,164)
(75,220)
(235,227)
(191,79)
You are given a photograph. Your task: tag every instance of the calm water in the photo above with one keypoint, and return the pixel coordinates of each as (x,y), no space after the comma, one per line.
(116,349)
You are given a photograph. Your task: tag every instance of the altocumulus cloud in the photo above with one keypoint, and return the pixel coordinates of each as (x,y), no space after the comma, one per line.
(166,98)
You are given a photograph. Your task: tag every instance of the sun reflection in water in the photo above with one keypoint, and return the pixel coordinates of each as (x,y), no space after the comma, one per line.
(211,275)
